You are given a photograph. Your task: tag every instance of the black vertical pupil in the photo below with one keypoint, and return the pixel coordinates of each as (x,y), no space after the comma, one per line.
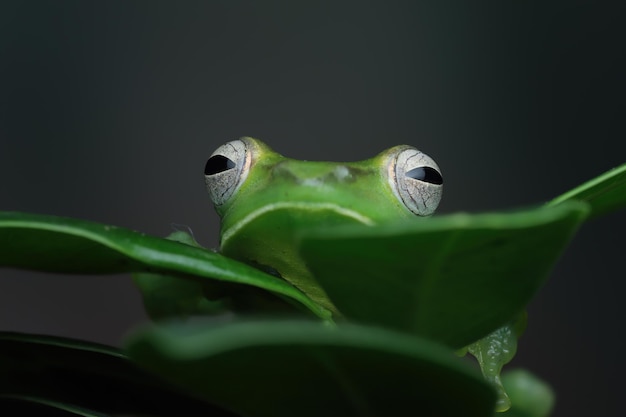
(217,164)
(426,174)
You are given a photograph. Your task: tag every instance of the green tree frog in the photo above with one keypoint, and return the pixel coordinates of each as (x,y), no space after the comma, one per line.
(265,199)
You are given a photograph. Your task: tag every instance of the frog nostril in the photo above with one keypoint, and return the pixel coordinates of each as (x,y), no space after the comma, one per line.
(342,173)
(313,174)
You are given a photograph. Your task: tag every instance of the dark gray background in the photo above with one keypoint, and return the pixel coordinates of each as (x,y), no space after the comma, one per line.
(108,112)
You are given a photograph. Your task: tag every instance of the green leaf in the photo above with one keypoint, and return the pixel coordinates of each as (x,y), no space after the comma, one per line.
(15,405)
(302,368)
(452,278)
(58,244)
(604,194)
(46,371)
(168,297)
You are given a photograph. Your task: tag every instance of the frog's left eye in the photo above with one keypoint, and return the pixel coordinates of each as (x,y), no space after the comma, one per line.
(416,180)
(226,169)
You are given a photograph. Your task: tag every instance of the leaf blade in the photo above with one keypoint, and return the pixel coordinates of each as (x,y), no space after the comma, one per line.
(61,372)
(348,370)
(452,278)
(605,193)
(24,405)
(58,244)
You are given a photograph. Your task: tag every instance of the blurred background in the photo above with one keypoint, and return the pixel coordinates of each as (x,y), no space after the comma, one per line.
(109,110)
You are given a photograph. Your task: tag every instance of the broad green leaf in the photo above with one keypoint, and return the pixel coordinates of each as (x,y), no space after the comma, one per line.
(604,194)
(168,297)
(15,405)
(58,244)
(452,278)
(303,368)
(73,375)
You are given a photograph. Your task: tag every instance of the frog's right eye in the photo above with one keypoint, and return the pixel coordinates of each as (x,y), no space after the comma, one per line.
(415,180)
(226,169)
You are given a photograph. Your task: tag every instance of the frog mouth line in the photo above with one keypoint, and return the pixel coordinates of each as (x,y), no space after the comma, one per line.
(295,205)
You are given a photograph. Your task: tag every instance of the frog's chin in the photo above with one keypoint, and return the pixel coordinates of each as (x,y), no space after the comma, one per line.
(269,236)
(350,215)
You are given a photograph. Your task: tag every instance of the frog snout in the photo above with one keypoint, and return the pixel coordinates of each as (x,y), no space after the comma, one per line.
(313,174)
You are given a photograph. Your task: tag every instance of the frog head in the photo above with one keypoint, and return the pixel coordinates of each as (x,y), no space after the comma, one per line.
(266,200)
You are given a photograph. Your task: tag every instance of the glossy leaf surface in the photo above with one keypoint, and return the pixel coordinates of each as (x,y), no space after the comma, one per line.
(451,278)
(16,405)
(605,193)
(76,376)
(58,244)
(172,297)
(287,368)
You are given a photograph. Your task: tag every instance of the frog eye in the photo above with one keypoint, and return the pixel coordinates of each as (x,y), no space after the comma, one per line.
(226,169)
(415,180)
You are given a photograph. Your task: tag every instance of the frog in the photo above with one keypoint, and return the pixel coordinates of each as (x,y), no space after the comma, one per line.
(265,201)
